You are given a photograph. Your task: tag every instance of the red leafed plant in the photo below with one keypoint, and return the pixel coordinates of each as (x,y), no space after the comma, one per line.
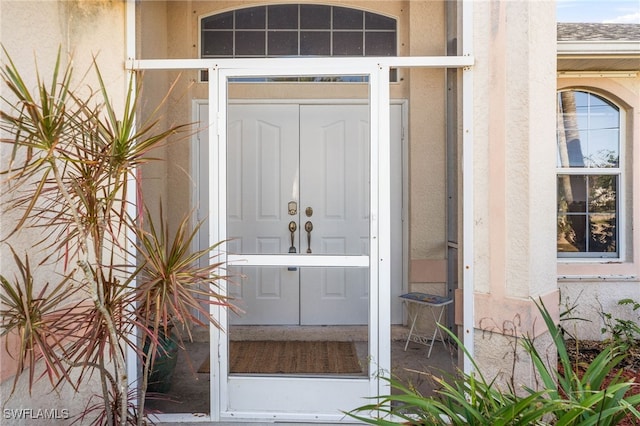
(73,161)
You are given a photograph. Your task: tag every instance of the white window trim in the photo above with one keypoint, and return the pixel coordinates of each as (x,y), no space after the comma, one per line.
(620,171)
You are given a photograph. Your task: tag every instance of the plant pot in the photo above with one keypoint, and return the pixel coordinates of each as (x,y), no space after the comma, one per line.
(164,363)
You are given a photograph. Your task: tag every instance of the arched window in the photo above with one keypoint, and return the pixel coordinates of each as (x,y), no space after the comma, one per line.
(589,169)
(297,30)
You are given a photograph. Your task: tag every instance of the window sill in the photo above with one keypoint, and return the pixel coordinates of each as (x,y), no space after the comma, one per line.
(590,260)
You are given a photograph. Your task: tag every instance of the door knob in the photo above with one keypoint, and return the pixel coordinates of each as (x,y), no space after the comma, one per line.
(292,228)
(308,227)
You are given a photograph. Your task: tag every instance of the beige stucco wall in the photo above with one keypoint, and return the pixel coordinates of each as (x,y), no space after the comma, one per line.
(33,31)
(596,287)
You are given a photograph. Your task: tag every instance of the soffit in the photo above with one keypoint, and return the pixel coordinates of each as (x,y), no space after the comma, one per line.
(602,63)
(598,47)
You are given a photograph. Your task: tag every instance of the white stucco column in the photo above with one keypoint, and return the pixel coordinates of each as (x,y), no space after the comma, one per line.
(514,183)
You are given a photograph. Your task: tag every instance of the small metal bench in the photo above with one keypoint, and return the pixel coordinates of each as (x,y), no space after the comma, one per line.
(436,305)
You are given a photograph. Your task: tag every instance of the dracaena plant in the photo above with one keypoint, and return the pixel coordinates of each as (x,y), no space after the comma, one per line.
(73,157)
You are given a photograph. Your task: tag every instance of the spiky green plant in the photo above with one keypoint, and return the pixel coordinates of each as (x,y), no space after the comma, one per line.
(73,159)
(594,396)
(567,398)
(462,399)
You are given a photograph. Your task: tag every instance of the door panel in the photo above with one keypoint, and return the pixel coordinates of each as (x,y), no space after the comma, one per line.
(262,156)
(334,176)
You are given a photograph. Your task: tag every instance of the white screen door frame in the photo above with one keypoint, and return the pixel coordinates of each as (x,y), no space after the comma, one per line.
(301,398)
(377,68)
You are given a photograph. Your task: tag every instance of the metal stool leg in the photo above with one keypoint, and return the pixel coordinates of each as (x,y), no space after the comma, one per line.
(413,318)
(437,330)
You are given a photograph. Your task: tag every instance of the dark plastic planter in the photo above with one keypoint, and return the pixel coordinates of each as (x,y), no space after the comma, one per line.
(161,373)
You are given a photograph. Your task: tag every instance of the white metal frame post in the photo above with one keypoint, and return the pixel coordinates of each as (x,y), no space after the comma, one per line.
(467,187)
(217,179)
(132,194)
(225,386)
(381,186)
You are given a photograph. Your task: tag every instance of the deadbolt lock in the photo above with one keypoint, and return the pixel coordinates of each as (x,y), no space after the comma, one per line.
(293,208)
(309,211)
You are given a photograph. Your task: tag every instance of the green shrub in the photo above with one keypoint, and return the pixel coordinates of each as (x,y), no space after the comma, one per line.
(470,399)
(624,333)
(591,397)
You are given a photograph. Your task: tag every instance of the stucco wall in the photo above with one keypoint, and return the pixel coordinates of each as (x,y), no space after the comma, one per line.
(514,154)
(32,31)
(504,358)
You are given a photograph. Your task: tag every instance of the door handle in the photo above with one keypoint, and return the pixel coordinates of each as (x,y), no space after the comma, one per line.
(308,227)
(292,228)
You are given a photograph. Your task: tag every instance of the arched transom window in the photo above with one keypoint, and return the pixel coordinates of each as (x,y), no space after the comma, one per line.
(297,30)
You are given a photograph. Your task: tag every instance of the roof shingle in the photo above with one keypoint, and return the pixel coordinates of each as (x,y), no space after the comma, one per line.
(597,32)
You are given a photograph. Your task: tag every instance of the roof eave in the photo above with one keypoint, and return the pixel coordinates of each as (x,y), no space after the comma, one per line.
(599,48)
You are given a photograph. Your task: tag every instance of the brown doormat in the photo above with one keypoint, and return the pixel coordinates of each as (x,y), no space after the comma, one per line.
(291,357)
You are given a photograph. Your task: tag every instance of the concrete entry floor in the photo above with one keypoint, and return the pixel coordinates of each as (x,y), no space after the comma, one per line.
(190,389)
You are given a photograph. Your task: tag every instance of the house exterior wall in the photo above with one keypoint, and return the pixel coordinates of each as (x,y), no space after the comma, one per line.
(34,31)
(595,287)
(514,183)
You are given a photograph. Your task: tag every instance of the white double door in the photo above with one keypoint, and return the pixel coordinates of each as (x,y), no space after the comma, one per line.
(298,183)
(298,180)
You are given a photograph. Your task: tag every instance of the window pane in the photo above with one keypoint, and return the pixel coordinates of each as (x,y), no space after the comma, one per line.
(283,43)
(596,101)
(603,117)
(251,18)
(378,22)
(315,43)
(572,233)
(588,131)
(587,221)
(347,44)
(603,148)
(571,152)
(218,43)
(380,44)
(317,30)
(315,17)
(572,193)
(249,43)
(602,238)
(222,21)
(347,19)
(602,193)
(283,16)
